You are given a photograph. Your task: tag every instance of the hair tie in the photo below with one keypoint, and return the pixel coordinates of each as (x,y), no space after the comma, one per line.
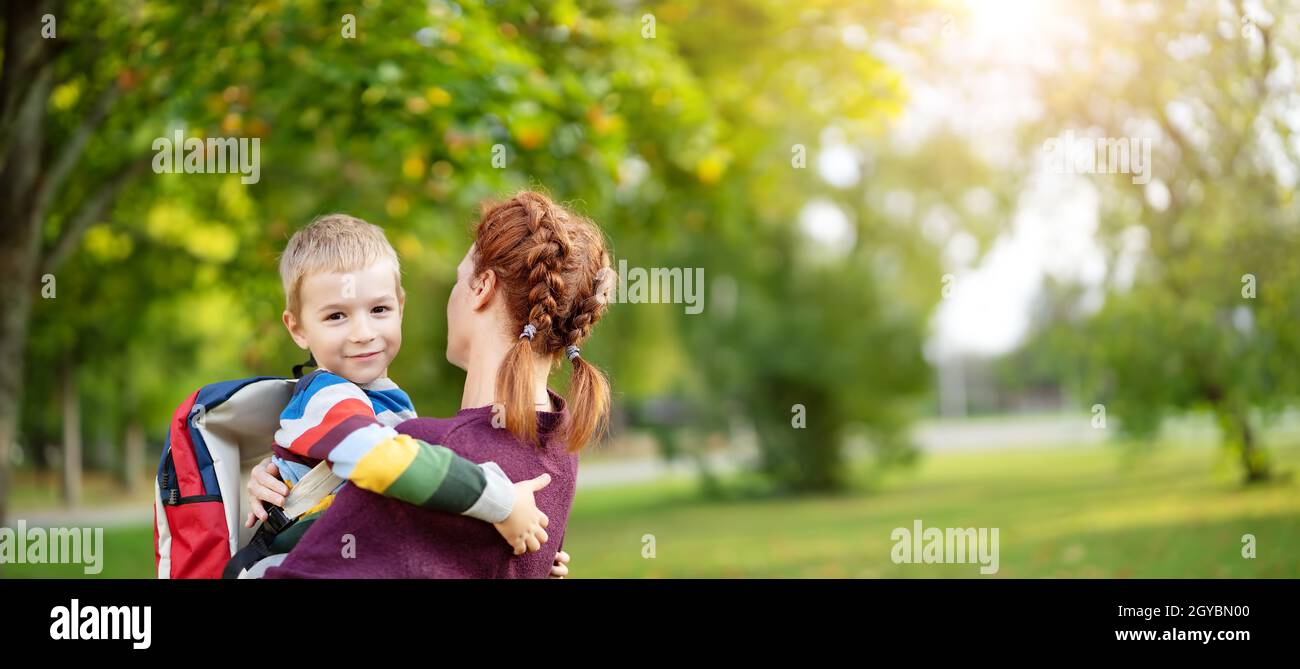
(572,351)
(529,331)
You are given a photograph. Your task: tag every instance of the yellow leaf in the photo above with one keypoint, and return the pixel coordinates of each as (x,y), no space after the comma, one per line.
(397,206)
(413,168)
(437,96)
(710,169)
(65,96)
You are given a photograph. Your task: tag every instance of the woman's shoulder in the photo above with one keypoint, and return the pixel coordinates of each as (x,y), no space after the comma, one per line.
(437,430)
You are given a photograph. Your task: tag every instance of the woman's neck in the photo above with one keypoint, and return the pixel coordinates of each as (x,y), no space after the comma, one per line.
(481,369)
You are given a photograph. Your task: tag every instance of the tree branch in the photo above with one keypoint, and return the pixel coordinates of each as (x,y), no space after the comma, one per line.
(91,211)
(9,125)
(1184,147)
(25,78)
(76,145)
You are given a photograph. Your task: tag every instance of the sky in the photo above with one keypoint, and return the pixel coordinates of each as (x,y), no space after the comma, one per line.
(1052,231)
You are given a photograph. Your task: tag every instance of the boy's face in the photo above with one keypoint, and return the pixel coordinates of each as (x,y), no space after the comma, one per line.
(351,321)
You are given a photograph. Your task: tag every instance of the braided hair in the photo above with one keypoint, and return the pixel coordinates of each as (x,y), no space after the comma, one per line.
(554,271)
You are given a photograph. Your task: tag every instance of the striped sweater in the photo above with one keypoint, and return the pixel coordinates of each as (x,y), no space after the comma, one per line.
(332,419)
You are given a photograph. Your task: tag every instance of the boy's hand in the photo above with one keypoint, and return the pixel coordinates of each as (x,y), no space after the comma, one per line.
(560,568)
(264,486)
(523,528)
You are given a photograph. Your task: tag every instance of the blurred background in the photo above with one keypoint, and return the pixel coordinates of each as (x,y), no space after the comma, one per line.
(910,309)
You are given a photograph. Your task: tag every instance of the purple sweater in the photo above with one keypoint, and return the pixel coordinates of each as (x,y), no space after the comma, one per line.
(393,539)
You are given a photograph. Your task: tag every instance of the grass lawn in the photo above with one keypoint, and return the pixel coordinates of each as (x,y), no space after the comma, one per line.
(1089,513)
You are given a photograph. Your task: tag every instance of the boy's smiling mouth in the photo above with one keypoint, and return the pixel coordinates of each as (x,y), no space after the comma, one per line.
(365,356)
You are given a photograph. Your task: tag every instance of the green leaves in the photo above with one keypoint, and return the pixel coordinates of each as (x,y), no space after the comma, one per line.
(678,144)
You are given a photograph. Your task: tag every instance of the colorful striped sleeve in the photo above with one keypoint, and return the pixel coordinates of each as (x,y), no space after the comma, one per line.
(391,404)
(330,418)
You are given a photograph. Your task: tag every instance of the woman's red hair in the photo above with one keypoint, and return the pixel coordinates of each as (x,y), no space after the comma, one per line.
(554,271)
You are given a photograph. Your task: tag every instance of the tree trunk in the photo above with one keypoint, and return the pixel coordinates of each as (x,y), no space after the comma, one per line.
(1240,440)
(103,456)
(24,89)
(71,434)
(134,455)
(1253,458)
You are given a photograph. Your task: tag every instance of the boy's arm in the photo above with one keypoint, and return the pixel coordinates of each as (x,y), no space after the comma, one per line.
(333,420)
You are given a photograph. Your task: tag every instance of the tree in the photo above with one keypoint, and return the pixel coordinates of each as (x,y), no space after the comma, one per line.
(1208,321)
(678,143)
(809,345)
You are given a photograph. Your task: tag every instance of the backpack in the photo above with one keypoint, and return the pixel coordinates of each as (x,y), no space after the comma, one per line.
(214,439)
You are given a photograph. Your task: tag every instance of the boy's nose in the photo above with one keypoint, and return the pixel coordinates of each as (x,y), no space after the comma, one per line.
(362,333)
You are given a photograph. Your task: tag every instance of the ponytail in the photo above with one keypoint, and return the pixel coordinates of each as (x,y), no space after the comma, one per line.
(588,404)
(588,388)
(515,390)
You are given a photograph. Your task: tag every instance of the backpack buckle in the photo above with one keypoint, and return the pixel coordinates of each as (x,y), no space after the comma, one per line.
(276,521)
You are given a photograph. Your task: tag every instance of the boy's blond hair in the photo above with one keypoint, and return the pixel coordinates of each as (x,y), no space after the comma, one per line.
(333,243)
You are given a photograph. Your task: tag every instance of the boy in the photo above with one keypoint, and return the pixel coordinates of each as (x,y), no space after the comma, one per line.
(344,303)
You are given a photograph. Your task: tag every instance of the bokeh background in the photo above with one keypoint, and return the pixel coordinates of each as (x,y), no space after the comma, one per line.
(908,314)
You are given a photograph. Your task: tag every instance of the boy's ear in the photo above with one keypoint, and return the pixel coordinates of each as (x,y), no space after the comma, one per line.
(295,329)
(482,291)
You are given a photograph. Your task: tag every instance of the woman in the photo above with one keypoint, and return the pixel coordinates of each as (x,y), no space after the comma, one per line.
(529,290)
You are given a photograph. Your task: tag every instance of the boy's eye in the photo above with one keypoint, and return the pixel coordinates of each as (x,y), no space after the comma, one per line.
(338,315)
(380,310)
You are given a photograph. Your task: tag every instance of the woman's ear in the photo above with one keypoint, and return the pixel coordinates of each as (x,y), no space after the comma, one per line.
(485,285)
